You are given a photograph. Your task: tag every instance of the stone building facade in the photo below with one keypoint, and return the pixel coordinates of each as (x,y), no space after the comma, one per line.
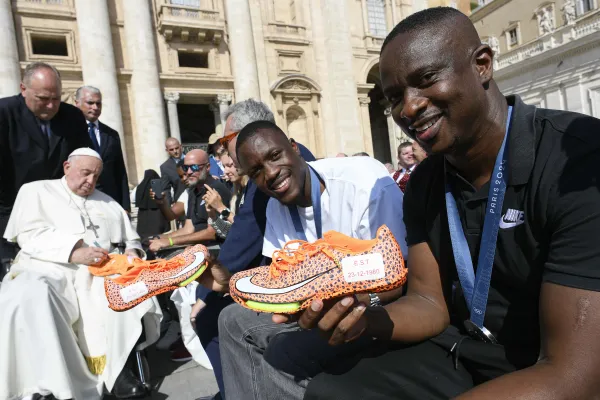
(546,51)
(169,67)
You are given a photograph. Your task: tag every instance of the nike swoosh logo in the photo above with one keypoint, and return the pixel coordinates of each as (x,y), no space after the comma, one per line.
(245,285)
(199,260)
(507,225)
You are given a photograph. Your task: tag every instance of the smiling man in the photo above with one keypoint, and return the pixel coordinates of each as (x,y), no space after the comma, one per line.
(356,197)
(502,220)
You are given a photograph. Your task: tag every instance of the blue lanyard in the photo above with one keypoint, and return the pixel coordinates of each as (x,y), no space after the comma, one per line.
(476,288)
(315,195)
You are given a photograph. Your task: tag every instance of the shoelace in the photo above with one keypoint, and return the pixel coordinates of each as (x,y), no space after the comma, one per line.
(156,265)
(286,258)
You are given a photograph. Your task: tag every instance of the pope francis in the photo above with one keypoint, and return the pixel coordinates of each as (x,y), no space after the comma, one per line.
(58,338)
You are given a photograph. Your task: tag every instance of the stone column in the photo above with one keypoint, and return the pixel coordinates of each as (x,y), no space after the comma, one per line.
(389,16)
(172,98)
(366,124)
(394,135)
(341,74)
(394,14)
(10,70)
(218,107)
(149,107)
(331,144)
(365,17)
(98,61)
(223,100)
(214,107)
(241,49)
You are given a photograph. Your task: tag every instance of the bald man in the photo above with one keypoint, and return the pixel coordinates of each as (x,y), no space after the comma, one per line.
(168,169)
(508,308)
(37,133)
(196,166)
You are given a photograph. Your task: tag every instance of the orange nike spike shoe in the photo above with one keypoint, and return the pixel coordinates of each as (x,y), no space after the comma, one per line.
(114,264)
(333,266)
(150,278)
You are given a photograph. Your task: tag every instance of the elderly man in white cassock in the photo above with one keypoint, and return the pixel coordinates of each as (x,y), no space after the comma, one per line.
(58,338)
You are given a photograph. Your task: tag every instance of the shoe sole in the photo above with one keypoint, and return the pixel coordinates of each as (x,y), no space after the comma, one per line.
(291,308)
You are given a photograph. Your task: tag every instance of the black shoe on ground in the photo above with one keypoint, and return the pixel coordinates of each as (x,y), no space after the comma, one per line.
(128,386)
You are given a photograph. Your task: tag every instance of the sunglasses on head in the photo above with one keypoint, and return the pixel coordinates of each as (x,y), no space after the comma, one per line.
(193,167)
(226,139)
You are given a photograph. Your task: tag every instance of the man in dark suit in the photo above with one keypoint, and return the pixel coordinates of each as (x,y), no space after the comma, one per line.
(105,140)
(37,133)
(168,169)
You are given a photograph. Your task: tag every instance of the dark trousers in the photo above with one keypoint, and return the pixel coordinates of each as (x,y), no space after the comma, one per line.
(427,370)
(207,329)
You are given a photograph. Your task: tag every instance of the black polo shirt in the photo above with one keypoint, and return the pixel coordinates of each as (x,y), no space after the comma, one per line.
(196,206)
(550,229)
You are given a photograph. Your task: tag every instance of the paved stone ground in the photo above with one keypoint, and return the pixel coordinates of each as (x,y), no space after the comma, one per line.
(177,381)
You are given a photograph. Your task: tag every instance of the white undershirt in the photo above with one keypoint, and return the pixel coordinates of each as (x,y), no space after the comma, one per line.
(359,197)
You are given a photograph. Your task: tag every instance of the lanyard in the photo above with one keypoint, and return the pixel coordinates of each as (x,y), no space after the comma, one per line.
(315,195)
(476,288)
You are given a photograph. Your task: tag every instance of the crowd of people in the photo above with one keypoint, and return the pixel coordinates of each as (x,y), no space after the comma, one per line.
(495,205)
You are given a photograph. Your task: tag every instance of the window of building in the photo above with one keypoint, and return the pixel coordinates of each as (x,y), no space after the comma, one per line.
(192,60)
(513,37)
(285,12)
(584,6)
(376,17)
(187,3)
(49,45)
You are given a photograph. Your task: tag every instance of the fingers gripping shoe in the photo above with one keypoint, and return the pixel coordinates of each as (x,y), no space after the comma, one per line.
(150,278)
(333,266)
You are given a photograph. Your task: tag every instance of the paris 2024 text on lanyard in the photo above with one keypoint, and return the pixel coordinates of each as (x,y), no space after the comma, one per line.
(476,288)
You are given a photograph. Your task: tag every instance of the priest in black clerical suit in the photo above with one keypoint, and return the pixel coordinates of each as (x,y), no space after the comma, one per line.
(37,133)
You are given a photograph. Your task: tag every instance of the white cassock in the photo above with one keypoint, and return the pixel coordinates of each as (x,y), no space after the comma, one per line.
(57,334)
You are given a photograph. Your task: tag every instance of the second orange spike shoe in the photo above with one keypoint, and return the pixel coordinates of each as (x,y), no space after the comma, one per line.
(333,266)
(150,278)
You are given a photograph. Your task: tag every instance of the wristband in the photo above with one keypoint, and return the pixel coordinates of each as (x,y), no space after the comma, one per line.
(171,241)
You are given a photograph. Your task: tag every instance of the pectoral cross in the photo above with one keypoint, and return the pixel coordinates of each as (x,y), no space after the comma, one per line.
(92,227)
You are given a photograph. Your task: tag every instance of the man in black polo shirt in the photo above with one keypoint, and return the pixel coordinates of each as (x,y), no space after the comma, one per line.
(196,166)
(535,334)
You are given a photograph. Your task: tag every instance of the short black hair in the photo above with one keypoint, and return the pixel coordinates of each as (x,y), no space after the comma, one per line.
(254,128)
(405,144)
(421,19)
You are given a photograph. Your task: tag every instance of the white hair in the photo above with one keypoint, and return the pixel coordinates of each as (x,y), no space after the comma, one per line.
(245,112)
(91,89)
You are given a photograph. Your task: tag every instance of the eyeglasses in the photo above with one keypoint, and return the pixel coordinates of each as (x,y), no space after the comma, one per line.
(193,167)
(226,139)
